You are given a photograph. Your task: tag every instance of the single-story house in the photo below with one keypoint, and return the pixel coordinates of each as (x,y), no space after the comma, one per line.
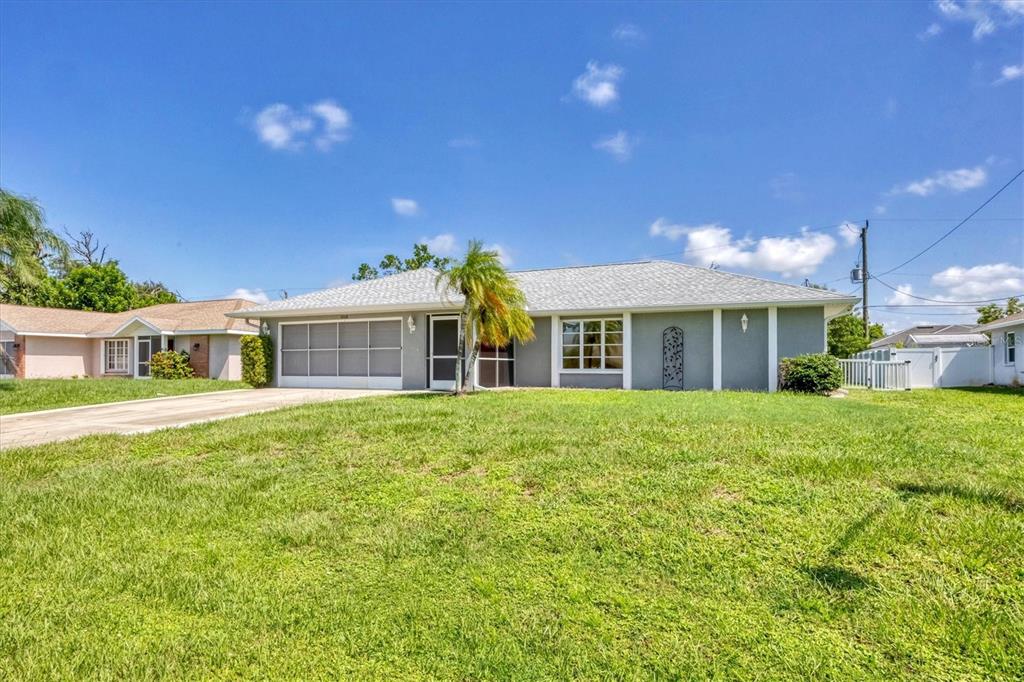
(1007,349)
(933,336)
(40,343)
(650,325)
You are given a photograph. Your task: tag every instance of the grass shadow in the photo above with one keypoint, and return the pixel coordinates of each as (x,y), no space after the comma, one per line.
(837,578)
(997,498)
(7,384)
(991,390)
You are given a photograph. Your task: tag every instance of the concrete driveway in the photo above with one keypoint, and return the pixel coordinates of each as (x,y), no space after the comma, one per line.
(139,416)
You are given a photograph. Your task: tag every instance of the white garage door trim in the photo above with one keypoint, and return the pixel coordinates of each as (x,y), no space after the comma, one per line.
(380,382)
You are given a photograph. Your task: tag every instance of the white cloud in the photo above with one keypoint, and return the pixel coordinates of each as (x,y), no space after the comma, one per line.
(598,85)
(464,142)
(630,34)
(254,295)
(279,126)
(980,281)
(881,209)
(786,186)
(987,16)
(849,233)
(336,122)
(959,180)
(405,207)
(712,243)
(934,29)
(503,253)
(620,145)
(440,245)
(1010,72)
(902,296)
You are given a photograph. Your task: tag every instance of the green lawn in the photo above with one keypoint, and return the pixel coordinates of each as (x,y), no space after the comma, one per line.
(29,395)
(529,535)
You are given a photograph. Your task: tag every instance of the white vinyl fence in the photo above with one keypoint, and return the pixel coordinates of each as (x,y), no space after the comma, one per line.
(928,367)
(882,375)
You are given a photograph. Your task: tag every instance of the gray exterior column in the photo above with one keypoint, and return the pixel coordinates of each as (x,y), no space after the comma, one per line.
(773,349)
(716,349)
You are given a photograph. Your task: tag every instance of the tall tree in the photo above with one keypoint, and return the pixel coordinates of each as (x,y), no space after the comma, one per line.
(391,264)
(103,288)
(493,309)
(993,311)
(846,335)
(26,245)
(153,293)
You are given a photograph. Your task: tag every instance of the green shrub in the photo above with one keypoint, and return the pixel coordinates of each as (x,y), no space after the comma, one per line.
(257,360)
(817,373)
(168,364)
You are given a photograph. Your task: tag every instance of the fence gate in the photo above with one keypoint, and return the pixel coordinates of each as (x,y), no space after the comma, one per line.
(672,359)
(883,375)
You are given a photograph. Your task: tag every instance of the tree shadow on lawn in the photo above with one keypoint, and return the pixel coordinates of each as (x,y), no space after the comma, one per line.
(997,498)
(836,577)
(990,390)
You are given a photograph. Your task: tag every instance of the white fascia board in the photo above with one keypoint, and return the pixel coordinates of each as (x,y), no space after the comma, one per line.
(344,310)
(998,324)
(840,307)
(187,332)
(59,335)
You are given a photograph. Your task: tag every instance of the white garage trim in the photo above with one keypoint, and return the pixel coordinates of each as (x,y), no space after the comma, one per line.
(381,382)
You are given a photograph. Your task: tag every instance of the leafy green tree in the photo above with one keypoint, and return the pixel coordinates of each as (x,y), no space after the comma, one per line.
(846,335)
(26,246)
(993,311)
(494,307)
(103,288)
(153,293)
(392,264)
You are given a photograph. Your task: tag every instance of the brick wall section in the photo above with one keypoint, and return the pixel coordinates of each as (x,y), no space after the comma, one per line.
(199,356)
(19,357)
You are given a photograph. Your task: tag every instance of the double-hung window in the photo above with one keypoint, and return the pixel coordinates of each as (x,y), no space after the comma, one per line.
(1011,347)
(115,356)
(594,344)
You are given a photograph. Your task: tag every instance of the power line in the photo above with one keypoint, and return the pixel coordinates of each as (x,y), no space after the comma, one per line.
(938,300)
(955,227)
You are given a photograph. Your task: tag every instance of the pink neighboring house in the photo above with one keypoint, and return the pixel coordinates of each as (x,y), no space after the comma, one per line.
(40,343)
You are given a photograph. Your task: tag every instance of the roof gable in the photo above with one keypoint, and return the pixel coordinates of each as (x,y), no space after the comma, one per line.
(207,316)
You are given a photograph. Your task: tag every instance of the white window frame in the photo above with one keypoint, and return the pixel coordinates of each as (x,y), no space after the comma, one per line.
(122,343)
(1010,348)
(582,322)
(308,381)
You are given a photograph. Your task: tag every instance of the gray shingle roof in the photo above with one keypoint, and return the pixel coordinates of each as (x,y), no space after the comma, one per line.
(647,284)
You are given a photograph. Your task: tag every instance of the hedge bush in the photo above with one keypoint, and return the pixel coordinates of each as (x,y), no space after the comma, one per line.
(257,360)
(815,373)
(168,364)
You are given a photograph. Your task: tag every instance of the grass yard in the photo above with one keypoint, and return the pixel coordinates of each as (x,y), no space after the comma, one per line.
(529,535)
(29,395)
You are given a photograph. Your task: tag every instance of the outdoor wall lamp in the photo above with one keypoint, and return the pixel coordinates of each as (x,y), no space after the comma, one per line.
(743,322)
(265,329)
(411,324)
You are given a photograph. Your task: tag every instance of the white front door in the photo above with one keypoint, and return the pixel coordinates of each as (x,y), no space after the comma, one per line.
(444,350)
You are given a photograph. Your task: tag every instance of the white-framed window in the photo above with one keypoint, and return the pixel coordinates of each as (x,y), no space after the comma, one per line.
(592,344)
(1011,347)
(115,356)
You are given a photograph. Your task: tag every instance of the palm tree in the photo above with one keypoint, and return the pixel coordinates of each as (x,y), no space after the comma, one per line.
(494,308)
(24,241)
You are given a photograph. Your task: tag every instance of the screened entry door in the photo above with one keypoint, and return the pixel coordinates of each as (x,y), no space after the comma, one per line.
(143,353)
(444,349)
(344,354)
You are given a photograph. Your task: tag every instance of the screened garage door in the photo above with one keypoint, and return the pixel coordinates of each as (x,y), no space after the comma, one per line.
(348,354)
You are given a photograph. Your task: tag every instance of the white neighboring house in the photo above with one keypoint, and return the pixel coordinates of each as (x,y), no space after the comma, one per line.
(1007,349)
(933,336)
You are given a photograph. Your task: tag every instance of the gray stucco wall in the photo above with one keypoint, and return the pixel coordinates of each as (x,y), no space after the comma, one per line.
(801,330)
(697,344)
(585,380)
(414,345)
(533,359)
(745,355)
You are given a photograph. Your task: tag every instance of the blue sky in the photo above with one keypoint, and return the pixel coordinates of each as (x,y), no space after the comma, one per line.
(264,147)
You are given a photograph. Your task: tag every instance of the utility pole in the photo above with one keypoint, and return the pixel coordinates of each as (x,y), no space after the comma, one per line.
(864,277)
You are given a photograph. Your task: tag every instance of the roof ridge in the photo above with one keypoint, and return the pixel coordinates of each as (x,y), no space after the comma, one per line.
(640,261)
